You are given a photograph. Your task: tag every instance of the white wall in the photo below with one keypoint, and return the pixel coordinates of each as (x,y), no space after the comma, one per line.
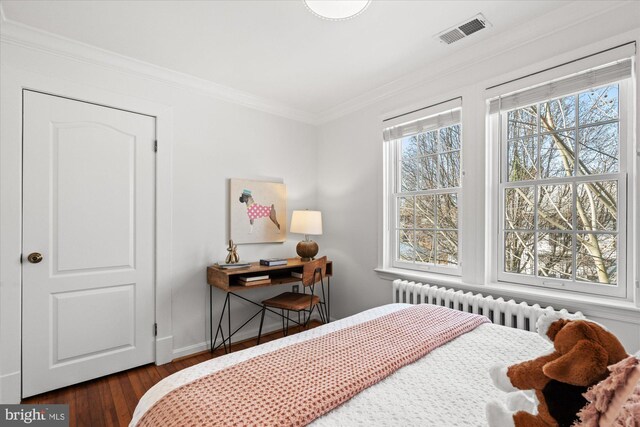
(213,140)
(350,181)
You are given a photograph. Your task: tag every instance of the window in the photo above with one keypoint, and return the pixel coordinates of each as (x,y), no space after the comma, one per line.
(563,178)
(425,191)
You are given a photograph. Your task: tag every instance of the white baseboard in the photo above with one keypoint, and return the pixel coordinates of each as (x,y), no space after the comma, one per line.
(10,388)
(245,334)
(190,349)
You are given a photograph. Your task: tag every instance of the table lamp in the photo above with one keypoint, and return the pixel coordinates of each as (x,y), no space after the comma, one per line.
(307,223)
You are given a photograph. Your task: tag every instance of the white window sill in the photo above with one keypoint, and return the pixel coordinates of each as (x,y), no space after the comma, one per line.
(625,310)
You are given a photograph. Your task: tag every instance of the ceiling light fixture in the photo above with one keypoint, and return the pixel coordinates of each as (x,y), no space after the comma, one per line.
(337,10)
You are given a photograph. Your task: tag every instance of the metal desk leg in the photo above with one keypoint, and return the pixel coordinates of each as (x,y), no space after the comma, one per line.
(328,299)
(229,320)
(211,317)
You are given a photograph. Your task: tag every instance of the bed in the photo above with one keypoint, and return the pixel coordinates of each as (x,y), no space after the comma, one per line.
(448,387)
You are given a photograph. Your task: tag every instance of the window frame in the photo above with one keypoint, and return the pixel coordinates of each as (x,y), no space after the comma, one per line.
(393,150)
(499,141)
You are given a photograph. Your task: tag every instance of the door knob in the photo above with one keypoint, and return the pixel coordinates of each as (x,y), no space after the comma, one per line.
(35,257)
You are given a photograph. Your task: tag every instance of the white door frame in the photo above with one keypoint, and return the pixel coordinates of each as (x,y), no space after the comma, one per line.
(12,84)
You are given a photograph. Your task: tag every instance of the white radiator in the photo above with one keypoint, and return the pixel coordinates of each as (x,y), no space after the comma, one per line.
(501,312)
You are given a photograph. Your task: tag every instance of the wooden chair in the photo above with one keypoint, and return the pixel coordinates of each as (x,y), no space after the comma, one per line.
(312,272)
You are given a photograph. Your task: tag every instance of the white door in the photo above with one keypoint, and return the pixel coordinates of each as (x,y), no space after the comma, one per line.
(88,210)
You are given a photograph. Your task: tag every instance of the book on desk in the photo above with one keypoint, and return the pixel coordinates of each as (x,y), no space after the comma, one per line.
(270,262)
(254,280)
(233,266)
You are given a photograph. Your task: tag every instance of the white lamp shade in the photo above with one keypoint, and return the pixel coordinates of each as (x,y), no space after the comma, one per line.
(306,222)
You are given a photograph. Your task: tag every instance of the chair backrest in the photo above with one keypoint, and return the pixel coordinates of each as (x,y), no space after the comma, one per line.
(314,271)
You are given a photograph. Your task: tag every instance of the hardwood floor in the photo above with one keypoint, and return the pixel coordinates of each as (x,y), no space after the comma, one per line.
(111,400)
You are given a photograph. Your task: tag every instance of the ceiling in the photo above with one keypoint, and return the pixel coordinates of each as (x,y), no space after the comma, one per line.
(278,50)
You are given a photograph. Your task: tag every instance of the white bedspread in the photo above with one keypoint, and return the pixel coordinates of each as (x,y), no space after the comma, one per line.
(448,387)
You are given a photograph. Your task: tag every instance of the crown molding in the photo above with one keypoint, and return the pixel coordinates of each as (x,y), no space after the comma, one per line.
(18,34)
(542,27)
(15,33)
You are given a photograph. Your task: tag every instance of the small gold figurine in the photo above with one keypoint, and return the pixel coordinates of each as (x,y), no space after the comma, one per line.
(233,257)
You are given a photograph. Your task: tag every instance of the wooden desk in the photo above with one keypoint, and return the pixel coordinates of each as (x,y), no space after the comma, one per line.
(228,281)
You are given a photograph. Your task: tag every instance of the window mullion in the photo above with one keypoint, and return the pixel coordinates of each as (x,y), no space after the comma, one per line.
(536,234)
(536,195)
(502,143)
(574,230)
(502,164)
(576,156)
(574,190)
(415,233)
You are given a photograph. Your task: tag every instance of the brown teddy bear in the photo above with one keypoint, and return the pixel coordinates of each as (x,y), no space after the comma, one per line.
(581,352)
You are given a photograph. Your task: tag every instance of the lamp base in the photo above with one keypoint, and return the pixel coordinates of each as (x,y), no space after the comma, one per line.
(307,249)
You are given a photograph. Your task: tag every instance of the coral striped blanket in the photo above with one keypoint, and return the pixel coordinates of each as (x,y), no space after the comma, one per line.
(294,385)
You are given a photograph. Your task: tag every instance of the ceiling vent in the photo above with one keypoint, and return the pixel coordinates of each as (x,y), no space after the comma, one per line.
(463,30)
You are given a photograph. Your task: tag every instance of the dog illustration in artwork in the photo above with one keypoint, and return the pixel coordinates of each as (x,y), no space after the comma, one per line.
(255,211)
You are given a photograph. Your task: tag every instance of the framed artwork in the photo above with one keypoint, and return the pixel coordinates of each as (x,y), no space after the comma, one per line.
(257,211)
